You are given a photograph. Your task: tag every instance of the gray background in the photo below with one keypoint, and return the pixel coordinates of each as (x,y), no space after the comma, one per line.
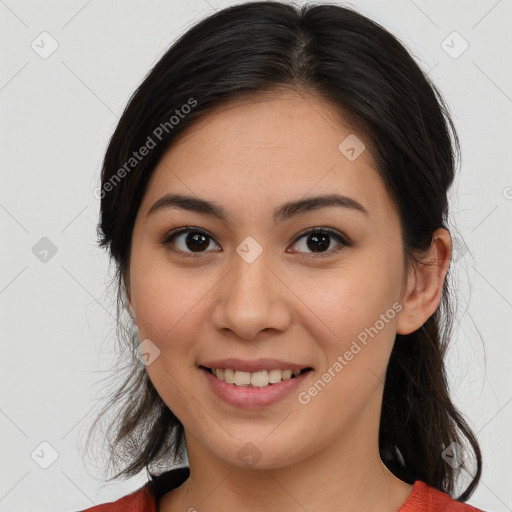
(57,315)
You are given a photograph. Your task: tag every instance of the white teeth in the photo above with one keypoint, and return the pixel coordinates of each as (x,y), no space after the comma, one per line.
(242,378)
(286,374)
(229,376)
(256,379)
(274,376)
(259,379)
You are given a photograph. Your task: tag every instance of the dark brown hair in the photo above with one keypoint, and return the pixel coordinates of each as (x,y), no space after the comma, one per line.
(365,72)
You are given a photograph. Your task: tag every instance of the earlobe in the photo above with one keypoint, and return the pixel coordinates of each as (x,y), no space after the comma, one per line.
(425,284)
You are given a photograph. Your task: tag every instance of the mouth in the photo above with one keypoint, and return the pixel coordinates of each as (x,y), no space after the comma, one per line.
(258,379)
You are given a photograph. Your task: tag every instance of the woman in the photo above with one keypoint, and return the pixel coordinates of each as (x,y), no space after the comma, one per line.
(274,199)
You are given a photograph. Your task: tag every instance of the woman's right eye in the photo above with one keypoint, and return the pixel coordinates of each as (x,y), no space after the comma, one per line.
(196,240)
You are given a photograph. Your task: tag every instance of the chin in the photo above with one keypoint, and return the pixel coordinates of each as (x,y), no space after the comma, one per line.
(258,452)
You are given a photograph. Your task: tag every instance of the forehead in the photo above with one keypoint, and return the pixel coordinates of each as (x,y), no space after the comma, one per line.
(268,120)
(268,149)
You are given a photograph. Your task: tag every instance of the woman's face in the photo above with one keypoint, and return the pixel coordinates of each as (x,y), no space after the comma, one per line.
(256,286)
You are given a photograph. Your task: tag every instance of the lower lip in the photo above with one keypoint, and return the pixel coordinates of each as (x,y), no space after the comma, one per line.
(253,398)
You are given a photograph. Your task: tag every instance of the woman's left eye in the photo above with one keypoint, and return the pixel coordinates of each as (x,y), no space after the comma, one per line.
(318,240)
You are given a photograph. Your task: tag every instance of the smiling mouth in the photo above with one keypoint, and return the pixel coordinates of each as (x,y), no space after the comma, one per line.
(259,379)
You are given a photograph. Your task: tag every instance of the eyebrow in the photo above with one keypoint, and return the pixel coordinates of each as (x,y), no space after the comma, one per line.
(280,214)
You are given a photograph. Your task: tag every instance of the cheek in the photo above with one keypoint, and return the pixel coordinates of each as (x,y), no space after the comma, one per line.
(170,313)
(356,336)
(347,304)
(168,299)
(353,320)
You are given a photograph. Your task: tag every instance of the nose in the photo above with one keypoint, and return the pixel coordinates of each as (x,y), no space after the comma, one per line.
(250,299)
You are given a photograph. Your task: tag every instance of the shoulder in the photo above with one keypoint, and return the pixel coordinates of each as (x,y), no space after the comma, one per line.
(140,500)
(425,498)
(146,498)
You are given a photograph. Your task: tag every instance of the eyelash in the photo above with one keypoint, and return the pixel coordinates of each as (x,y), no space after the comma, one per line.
(344,242)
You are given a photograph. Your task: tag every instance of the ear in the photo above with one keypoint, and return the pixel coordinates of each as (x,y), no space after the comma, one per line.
(424,286)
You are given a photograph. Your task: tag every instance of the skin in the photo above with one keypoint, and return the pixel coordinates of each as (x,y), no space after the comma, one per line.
(290,303)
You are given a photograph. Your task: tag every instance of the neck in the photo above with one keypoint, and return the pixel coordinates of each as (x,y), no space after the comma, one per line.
(346,475)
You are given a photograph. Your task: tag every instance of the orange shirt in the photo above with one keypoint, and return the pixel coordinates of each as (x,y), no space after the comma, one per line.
(423,498)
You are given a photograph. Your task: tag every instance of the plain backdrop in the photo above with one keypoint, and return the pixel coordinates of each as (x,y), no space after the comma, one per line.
(67,70)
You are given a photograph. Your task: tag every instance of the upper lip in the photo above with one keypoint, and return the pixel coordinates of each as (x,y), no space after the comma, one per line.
(254,365)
